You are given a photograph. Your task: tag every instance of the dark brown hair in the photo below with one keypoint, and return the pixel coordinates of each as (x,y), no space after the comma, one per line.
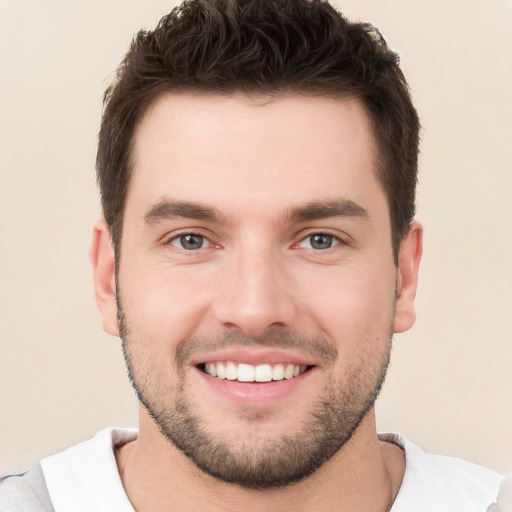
(272,47)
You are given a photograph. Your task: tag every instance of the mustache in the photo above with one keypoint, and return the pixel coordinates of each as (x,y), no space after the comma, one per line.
(273,338)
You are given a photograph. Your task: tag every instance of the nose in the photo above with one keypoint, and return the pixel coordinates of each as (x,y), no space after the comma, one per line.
(256,293)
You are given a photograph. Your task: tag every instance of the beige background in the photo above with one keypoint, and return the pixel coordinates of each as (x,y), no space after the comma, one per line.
(62,379)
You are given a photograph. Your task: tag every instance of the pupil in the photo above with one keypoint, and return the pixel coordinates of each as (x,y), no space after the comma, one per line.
(192,242)
(321,241)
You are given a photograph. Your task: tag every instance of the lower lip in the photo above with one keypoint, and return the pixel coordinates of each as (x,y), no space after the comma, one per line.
(255,393)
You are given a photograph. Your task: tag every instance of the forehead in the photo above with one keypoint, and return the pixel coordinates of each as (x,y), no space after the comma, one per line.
(242,152)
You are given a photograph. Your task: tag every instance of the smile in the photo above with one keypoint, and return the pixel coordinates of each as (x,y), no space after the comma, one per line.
(254,373)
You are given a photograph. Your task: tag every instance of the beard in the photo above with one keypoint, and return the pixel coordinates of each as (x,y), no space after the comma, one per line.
(254,460)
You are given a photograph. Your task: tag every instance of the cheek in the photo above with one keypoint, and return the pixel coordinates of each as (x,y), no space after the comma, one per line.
(160,305)
(352,305)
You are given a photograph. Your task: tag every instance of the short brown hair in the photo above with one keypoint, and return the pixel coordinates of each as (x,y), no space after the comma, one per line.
(262,46)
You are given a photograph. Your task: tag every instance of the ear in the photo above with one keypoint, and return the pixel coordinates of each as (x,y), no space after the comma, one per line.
(103,263)
(407,277)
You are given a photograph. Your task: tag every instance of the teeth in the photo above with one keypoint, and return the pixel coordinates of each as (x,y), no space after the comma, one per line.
(249,373)
(262,373)
(278,372)
(231,371)
(288,371)
(212,369)
(246,373)
(221,370)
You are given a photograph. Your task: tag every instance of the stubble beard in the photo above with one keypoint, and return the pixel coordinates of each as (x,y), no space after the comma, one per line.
(258,462)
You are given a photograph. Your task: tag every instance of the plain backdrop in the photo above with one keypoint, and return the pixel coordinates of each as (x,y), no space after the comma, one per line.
(62,378)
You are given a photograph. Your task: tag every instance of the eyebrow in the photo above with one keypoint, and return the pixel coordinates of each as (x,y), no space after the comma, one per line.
(167,209)
(316,210)
(327,209)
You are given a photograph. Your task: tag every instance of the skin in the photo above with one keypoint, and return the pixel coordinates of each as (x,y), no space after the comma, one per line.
(254,162)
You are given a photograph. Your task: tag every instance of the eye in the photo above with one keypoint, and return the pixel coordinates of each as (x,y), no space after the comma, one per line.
(190,242)
(319,241)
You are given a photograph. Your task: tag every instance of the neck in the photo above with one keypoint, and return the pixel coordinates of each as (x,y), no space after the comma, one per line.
(363,475)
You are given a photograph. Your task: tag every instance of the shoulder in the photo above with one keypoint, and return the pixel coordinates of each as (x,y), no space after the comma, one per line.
(84,477)
(25,492)
(440,483)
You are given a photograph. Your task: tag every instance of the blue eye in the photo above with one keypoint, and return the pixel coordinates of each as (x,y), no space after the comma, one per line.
(319,241)
(190,242)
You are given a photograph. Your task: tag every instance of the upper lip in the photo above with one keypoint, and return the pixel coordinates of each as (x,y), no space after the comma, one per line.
(255,357)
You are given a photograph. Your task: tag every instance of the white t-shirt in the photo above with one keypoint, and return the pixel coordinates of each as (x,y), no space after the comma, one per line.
(84,478)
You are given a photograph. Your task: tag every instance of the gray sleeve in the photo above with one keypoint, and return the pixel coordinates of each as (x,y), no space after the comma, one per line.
(25,493)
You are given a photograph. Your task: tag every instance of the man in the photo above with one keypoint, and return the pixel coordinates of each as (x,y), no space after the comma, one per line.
(257,166)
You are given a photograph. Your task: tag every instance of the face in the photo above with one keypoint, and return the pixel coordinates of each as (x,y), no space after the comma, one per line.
(257,292)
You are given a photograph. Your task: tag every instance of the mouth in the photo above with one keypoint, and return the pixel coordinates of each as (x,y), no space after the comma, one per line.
(243,372)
